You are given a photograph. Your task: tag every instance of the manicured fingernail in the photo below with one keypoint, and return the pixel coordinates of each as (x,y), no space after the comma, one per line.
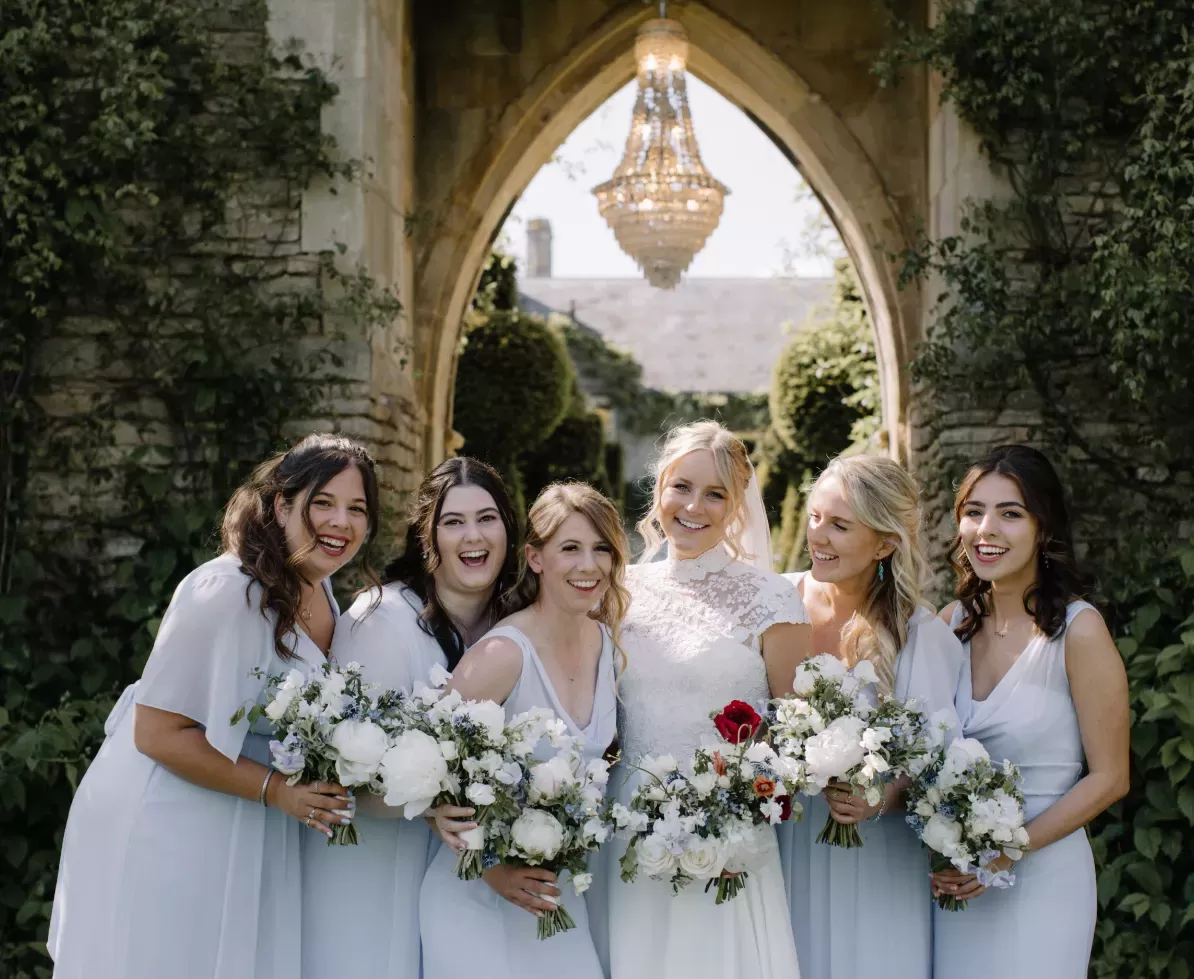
(342,812)
(346,821)
(352,805)
(327,833)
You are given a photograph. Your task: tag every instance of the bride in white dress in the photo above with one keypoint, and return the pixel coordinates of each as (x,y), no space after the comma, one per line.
(706,626)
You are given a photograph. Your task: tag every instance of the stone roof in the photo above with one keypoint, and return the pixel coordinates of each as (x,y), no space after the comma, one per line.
(707,335)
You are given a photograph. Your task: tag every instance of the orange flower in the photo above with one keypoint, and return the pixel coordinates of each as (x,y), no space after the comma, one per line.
(764,787)
(719,763)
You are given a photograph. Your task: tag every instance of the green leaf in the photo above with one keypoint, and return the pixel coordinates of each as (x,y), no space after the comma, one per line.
(1185,802)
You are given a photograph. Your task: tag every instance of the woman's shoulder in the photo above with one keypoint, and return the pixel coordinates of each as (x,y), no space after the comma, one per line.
(221,582)
(394,601)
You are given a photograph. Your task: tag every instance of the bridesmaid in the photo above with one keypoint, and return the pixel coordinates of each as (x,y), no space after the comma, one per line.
(866,911)
(181,852)
(558,652)
(439,597)
(1044,686)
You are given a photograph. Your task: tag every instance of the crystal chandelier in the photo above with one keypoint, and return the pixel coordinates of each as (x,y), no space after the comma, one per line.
(661,202)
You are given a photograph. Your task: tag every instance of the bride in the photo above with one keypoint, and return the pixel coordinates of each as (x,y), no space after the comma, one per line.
(709,624)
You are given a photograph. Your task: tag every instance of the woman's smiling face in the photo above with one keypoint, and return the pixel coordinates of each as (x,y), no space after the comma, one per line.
(694,504)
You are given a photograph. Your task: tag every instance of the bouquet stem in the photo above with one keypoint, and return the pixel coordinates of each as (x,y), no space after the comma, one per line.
(727,887)
(554,922)
(469,865)
(839,834)
(344,835)
(946,902)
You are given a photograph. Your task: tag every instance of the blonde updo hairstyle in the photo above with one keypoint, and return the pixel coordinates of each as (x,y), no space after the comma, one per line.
(551,508)
(884,497)
(732,463)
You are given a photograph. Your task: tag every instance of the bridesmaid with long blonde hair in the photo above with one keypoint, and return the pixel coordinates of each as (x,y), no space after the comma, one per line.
(865,600)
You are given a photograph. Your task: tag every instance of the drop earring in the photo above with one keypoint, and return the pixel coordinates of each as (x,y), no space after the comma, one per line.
(880,572)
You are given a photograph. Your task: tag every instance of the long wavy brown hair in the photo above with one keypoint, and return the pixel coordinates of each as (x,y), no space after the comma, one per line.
(551,508)
(415,567)
(251,531)
(1058,580)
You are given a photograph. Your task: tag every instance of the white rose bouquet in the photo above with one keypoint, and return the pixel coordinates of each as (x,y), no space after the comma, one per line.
(832,727)
(967,811)
(699,820)
(329,726)
(462,752)
(564,819)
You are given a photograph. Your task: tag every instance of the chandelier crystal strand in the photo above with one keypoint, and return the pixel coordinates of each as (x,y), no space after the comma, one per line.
(661,202)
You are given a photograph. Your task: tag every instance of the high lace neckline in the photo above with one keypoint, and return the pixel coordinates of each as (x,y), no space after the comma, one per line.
(717,558)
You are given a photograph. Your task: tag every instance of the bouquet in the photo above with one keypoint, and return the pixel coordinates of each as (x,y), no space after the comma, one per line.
(565,817)
(699,820)
(328,726)
(460,752)
(830,725)
(967,811)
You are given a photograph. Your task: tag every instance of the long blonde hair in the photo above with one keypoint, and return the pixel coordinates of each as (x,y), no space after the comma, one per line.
(732,463)
(551,508)
(884,497)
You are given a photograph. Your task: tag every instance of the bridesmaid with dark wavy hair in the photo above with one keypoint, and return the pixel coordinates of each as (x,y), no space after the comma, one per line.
(181,853)
(1043,686)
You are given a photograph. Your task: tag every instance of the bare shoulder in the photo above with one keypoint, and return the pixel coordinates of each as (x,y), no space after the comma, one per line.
(489,670)
(1088,637)
(492,651)
(946,615)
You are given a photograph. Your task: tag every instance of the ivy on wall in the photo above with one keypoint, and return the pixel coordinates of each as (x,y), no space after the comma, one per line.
(1073,295)
(160,328)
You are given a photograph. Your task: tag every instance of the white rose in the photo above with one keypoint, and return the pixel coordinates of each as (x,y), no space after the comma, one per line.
(448,750)
(550,778)
(359,747)
(836,750)
(413,770)
(702,859)
(480,794)
(537,833)
(276,709)
(485,714)
(924,809)
(654,857)
(942,835)
(581,883)
(864,669)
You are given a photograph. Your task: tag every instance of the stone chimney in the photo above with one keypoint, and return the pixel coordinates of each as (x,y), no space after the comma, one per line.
(539,248)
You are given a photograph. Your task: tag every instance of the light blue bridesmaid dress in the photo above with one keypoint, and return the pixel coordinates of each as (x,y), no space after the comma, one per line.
(867,911)
(160,877)
(468,929)
(1043,926)
(361,903)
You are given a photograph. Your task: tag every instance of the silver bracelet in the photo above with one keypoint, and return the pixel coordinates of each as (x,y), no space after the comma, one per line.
(882,804)
(264,786)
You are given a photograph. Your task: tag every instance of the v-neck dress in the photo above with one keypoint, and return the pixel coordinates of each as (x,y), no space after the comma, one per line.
(1043,926)
(468,929)
(160,877)
(881,889)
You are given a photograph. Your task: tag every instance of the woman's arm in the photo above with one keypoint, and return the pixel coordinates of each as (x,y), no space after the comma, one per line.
(178,744)
(784,645)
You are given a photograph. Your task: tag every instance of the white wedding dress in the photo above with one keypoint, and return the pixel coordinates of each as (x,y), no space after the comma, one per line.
(692,645)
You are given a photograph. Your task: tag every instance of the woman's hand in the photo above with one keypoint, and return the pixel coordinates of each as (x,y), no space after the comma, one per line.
(320,806)
(964,887)
(450,821)
(846,806)
(532,888)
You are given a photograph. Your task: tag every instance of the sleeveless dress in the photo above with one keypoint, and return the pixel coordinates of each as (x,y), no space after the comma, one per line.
(160,877)
(1043,926)
(470,930)
(692,645)
(363,900)
(867,911)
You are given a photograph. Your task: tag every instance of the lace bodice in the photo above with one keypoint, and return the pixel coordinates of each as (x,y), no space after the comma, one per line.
(692,644)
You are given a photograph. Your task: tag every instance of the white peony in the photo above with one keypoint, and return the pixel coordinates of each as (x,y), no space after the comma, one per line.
(359,747)
(413,771)
(485,714)
(702,858)
(942,835)
(551,777)
(654,857)
(537,834)
(480,794)
(836,750)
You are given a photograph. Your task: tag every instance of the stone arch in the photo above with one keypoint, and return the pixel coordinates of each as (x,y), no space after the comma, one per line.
(807,126)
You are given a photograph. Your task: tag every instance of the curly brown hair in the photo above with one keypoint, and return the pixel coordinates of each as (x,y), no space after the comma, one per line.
(251,532)
(1058,580)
